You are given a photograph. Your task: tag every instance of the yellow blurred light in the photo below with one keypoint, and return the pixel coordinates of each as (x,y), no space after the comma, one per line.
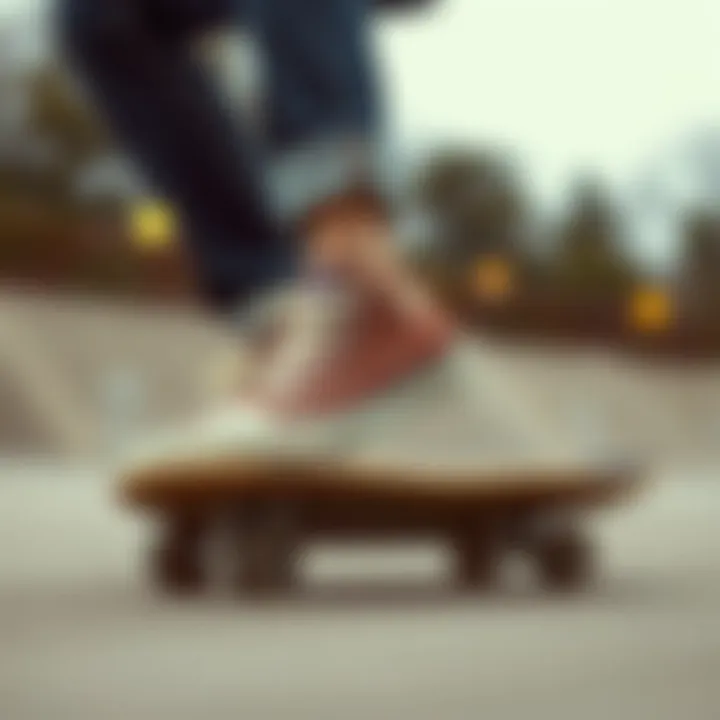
(494,279)
(651,310)
(153,226)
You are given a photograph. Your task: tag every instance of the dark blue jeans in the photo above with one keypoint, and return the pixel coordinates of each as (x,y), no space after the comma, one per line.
(236,197)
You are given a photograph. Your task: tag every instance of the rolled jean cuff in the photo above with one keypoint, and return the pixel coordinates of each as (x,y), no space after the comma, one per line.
(306,177)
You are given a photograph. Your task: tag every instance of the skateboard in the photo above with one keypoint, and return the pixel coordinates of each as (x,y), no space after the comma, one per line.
(269,510)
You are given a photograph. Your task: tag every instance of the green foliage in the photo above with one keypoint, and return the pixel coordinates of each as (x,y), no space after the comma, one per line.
(44,225)
(59,115)
(701,263)
(702,232)
(590,260)
(476,202)
(58,138)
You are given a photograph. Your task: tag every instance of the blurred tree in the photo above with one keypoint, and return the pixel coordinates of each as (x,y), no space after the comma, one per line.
(590,260)
(476,205)
(63,197)
(700,271)
(59,119)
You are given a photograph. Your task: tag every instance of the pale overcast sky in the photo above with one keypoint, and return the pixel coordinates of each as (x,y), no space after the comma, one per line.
(570,84)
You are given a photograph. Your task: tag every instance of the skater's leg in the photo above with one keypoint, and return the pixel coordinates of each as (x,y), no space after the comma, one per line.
(136,59)
(366,327)
(323,116)
(328,184)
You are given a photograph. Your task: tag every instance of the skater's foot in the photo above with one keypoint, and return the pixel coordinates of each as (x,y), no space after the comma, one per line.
(367,360)
(343,352)
(364,324)
(345,348)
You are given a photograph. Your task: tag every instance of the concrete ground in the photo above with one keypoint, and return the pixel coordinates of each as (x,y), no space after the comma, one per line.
(374,634)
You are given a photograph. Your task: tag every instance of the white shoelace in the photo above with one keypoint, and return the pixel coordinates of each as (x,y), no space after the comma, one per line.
(320,316)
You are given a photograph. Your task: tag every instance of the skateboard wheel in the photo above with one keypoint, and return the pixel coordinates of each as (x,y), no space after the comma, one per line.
(478,557)
(267,548)
(565,561)
(177,562)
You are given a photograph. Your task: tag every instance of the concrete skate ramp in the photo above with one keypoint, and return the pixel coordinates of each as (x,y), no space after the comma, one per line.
(621,405)
(71,359)
(22,427)
(65,360)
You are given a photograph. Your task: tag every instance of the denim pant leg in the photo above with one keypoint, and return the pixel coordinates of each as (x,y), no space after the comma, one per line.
(323,111)
(322,119)
(135,58)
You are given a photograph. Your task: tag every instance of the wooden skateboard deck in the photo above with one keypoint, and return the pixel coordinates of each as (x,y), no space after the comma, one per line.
(272,507)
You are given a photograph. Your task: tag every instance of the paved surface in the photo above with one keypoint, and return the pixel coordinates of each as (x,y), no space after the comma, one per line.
(374,635)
